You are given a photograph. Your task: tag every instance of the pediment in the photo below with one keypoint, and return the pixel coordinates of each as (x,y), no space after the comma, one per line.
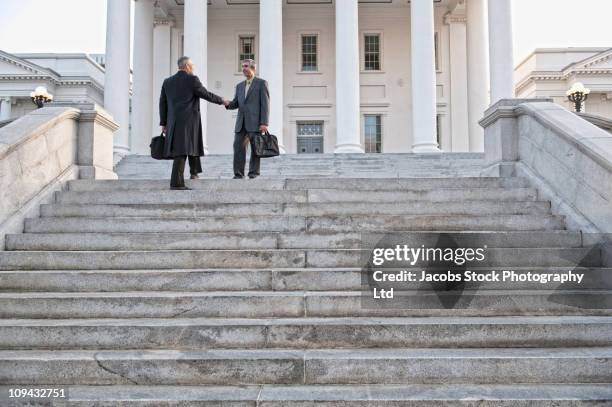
(603,60)
(12,65)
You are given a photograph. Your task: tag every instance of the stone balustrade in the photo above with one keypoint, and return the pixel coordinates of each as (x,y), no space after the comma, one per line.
(40,151)
(565,156)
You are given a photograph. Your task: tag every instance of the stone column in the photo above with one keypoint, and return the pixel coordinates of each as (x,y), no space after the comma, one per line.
(196,47)
(117,72)
(162,65)
(348,134)
(424,108)
(478,70)
(142,113)
(5,108)
(270,62)
(500,50)
(458,81)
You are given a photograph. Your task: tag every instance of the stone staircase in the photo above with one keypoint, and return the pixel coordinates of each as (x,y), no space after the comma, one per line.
(248,293)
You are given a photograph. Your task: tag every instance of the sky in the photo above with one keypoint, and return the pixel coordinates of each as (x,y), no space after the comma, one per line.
(80,25)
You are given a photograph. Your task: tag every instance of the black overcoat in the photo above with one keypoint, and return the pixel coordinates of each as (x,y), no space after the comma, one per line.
(179,111)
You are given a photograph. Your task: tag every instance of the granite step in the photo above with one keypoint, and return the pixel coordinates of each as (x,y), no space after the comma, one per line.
(283,366)
(305,333)
(272,223)
(291,304)
(293,196)
(279,240)
(275,258)
(372,395)
(304,183)
(287,279)
(482,207)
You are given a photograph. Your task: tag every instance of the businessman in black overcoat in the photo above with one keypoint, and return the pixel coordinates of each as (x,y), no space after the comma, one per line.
(179,113)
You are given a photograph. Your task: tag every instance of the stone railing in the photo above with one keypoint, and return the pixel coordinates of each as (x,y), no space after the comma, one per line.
(40,151)
(599,121)
(567,158)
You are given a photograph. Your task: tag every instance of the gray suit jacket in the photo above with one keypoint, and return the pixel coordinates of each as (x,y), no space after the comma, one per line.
(254,108)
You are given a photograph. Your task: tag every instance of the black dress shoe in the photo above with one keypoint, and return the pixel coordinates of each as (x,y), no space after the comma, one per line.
(194,176)
(238,177)
(183,188)
(253,176)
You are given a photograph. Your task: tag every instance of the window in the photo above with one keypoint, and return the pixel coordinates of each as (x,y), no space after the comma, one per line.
(309,52)
(310,137)
(371,52)
(373,133)
(246,49)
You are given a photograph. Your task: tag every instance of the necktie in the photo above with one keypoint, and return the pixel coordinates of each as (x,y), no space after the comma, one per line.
(246,88)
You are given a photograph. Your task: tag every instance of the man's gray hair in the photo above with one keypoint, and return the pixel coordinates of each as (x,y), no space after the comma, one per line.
(251,63)
(182,62)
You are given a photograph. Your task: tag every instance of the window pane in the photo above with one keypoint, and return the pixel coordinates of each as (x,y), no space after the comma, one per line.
(246,49)
(373,133)
(372,52)
(310,128)
(309,52)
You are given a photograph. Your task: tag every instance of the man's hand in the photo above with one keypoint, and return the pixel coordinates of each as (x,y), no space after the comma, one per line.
(226,102)
(164,130)
(263,128)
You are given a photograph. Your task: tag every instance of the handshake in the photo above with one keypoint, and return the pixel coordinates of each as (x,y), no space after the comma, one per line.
(226,102)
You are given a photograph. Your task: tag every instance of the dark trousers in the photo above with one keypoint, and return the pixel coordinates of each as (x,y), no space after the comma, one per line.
(241,140)
(178,168)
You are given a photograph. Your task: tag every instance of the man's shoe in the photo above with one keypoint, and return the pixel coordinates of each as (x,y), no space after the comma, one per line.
(253,176)
(183,188)
(238,177)
(194,176)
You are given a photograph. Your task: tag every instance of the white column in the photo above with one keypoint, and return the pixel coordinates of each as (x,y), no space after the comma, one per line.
(348,134)
(500,50)
(142,109)
(162,66)
(196,47)
(458,82)
(271,61)
(117,72)
(423,77)
(478,70)
(5,108)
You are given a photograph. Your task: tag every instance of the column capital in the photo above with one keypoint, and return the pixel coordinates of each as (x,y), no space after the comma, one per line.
(163,21)
(452,18)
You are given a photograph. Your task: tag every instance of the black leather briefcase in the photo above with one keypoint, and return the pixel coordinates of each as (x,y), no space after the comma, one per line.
(157,147)
(265,145)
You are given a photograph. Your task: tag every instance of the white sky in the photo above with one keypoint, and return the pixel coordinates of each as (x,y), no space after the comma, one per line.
(80,25)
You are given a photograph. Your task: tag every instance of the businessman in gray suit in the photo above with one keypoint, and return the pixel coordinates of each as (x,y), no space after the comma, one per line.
(252,99)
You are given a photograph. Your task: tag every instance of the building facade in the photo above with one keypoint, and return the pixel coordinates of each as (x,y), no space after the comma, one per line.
(344,76)
(72,78)
(550,72)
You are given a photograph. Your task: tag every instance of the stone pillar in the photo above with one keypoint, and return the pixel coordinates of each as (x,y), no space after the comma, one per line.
(162,65)
(142,113)
(117,72)
(270,62)
(196,47)
(348,134)
(5,108)
(423,77)
(478,70)
(458,81)
(500,50)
